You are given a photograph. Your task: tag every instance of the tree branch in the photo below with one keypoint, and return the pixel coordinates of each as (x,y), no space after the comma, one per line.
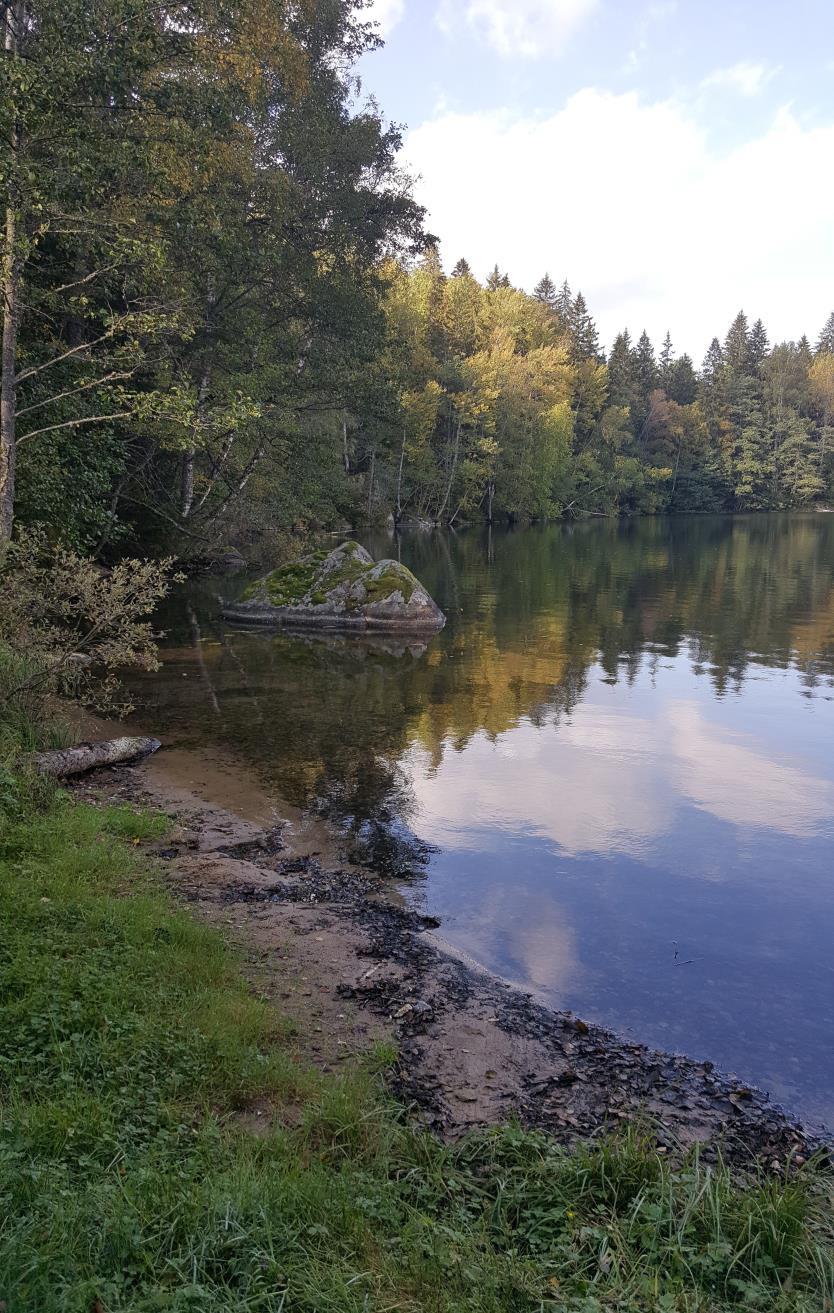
(56,360)
(75,423)
(72,392)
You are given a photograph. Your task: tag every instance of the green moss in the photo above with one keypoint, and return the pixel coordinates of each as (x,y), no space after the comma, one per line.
(291,584)
(287,585)
(394,579)
(348,572)
(304,580)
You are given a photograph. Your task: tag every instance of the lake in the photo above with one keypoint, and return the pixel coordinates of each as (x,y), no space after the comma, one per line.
(612,774)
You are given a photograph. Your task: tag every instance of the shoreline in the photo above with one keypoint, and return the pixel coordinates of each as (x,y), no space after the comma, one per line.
(350,965)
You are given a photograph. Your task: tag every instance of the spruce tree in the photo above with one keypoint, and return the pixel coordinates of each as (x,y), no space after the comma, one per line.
(564,304)
(494,279)
(462,269)
(713,366)
(621,371)
(682,385)
(758,344)
(645,365)
(667,358)
(826,337)
(737,345)
(583,331)
(545,291)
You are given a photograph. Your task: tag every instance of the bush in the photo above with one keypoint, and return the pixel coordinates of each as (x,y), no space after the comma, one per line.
(67,628)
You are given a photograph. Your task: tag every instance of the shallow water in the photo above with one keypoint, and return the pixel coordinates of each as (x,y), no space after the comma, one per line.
(621,749)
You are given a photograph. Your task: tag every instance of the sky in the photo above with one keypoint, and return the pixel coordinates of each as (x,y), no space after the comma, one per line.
(673,159)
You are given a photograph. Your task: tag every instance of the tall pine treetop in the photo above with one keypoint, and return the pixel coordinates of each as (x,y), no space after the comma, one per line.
(495,279)
(737,344)
(667,356)
(545,291)
(758,344)
(583,330)
(713,362)
(826,337)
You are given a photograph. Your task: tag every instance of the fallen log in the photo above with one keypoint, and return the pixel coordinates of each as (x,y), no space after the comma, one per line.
(87,756)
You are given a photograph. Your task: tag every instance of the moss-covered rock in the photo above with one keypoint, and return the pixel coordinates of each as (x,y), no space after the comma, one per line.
(341,589)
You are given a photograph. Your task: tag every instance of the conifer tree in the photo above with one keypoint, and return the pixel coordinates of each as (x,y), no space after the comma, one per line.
(713,365)
(645,365)
(621,373)
(682,385)
(583,330)
(758,344)
(494,279)
(462,269)
(737,345)
(545,291)
(825,341)
(667,356)
(564,304)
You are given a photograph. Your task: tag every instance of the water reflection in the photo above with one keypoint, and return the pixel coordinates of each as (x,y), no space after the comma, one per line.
(620,747)
(739,783)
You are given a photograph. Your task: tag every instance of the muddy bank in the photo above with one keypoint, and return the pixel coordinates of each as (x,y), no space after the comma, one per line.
(347,962)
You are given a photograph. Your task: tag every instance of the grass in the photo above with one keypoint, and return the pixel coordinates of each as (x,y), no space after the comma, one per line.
(129,1045)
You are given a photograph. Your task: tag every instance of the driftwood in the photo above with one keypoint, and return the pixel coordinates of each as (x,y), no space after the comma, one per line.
(86,756)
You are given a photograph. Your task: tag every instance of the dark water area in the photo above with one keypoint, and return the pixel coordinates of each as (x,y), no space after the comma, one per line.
(619,755)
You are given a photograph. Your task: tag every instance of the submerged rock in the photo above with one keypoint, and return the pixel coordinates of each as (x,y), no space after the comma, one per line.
(341,589)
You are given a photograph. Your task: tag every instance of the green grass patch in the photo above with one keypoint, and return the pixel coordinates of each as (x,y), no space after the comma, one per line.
(128,1044)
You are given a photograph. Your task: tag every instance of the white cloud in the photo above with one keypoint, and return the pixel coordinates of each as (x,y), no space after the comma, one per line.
(611,782)
(731,779)
(519,27)
(387,13)
(635,205)
(746,78)
(593,786)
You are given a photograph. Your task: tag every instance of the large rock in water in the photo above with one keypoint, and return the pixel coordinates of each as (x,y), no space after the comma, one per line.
(342,589)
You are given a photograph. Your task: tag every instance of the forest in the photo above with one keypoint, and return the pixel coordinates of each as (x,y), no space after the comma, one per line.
(224,317)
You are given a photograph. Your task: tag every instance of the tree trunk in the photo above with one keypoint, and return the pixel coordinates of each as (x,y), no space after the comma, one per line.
(8,390)
(452,473)
(187,482)
(371,483)
(12,273)
(86,756)
(345,452)
(187,471)
(400,480)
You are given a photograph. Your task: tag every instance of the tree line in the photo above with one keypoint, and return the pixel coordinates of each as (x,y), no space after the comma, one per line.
(222,314)
(509,408)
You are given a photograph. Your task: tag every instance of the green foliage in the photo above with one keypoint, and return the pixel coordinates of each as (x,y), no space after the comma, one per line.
(199,245)
(129,1047)
(224,334)
(505,407)
(67,627)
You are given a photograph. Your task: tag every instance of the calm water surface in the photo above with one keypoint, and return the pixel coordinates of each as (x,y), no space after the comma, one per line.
(621,749)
